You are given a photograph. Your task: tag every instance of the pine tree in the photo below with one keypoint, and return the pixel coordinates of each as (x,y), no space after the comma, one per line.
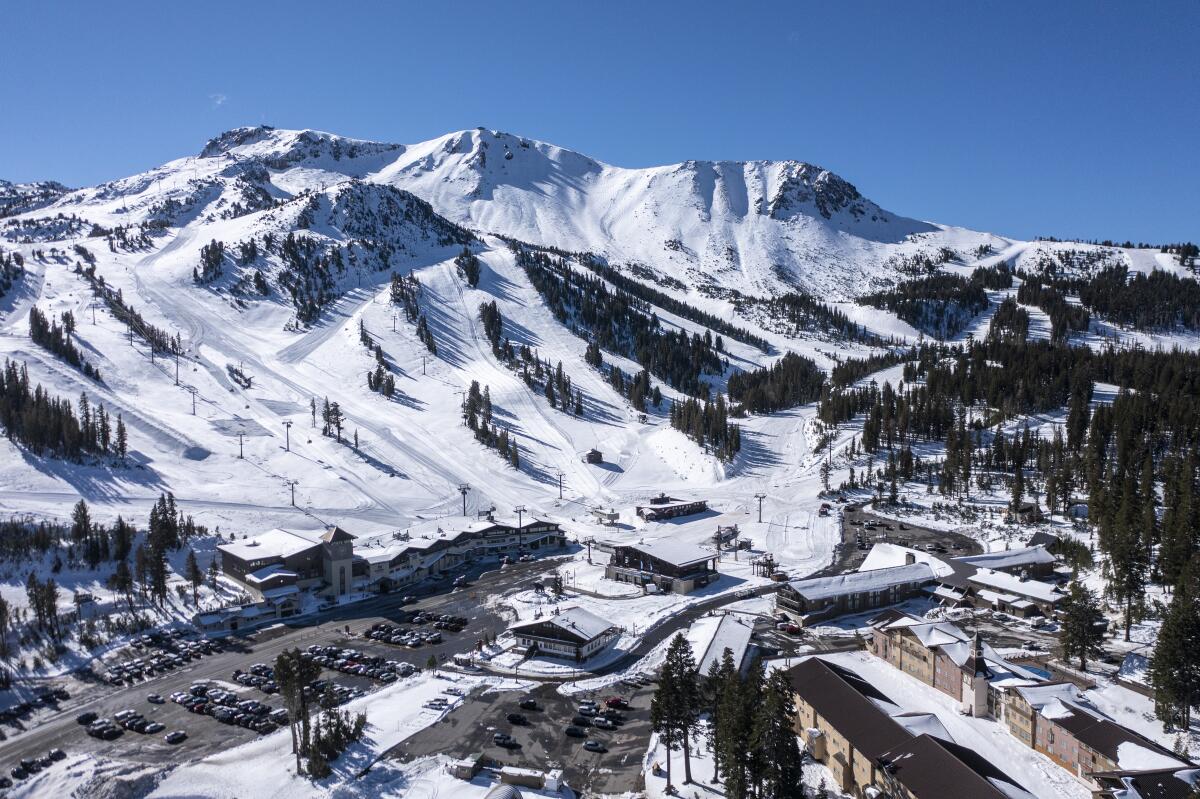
(675,708)
(1175,667)
(122,439)
(194,575)
(774,732)
(1082,625)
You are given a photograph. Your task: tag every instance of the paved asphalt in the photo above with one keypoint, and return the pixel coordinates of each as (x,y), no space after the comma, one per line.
(56,727)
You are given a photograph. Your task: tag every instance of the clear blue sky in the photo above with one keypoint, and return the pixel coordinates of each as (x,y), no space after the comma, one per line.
(1056,118)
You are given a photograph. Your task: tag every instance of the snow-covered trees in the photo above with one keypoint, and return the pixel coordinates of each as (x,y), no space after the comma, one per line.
(468,265)
(211,257)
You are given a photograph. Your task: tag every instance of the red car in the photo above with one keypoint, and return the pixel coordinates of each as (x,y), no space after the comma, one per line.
(617,702)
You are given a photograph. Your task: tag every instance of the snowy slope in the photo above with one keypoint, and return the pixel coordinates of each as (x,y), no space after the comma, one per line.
(697,229)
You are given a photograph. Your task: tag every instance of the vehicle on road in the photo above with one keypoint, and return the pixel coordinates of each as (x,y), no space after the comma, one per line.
(744,593)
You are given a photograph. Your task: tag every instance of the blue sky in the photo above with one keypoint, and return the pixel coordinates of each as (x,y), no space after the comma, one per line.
(1064,118)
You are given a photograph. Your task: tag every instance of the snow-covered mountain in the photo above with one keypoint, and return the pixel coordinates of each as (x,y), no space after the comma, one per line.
(268,252)
(758,226)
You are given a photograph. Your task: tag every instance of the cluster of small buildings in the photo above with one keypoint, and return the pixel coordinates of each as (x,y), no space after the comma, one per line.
(873,748)
(1005,581)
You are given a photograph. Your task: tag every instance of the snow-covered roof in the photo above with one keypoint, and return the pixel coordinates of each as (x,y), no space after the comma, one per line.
(1063,704)
(576,621)
(815,588)
(733,634)
(267,572)
(272,594)
(276,543)
(1011,584)
(884,555)
(677,553)
(1010,559)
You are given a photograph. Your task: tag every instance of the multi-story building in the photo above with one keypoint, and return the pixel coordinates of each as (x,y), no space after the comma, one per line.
(873,749)
(337,563)
(574,634)
(820,598)
(1055,720)
(670,566)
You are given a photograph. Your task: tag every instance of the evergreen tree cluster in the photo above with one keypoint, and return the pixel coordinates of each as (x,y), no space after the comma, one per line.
(635,388)
(57,339)
(477,415)
(308,272)
(12,267)
(652,296)
(1010,323)
(381,379)
(1175,666)
(468,266)
(707,423)
(406,292)
(852,370)
(212,255)
(158,339)
(1064,317)
(332,420)
(48,425)
(752,733)
(1158,300)
(621,323)
(939,304)
(797,312)
(43,602)
(790,381)
(994,278)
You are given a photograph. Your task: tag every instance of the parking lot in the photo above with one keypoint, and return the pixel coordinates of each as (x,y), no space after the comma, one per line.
(542,742)
(35,733)
(862,529)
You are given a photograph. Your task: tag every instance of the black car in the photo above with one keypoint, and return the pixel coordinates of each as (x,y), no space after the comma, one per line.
(86,718)
(528,704)
(57,755)
(517,718)
(575,732)
(5,782)
(581,721)
(18,773)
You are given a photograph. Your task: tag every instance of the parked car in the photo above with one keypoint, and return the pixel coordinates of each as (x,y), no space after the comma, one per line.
(593,745)
(517,718)
(504,739)
(528,704)
(602,723)
(175,737)
(86,717)
(155,699)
